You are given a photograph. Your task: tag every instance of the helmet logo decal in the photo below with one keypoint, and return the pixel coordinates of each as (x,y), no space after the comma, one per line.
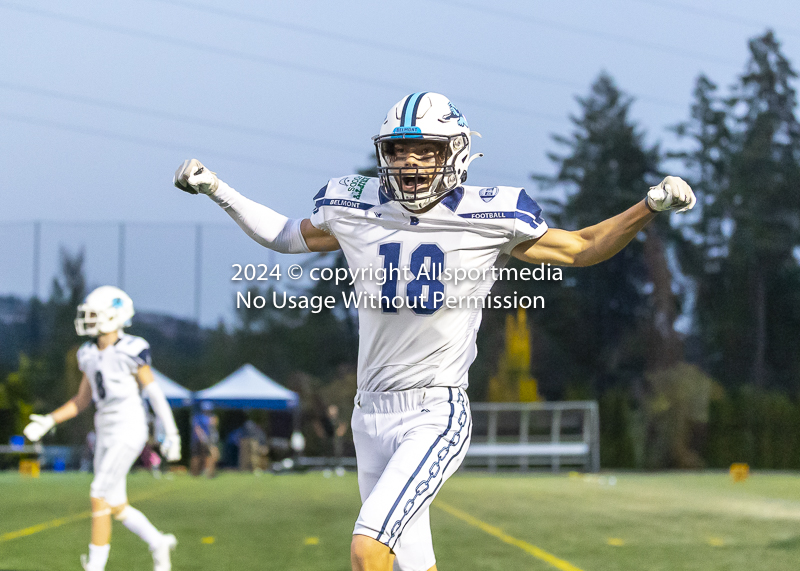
(455,114)
(487,194)
(116,303)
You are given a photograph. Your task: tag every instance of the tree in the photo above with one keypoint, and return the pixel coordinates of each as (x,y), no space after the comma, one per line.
(47,366)
(606,169)
(16,398)
(68,291)
(709,164)
(706,234)
(763,197)
(746,170)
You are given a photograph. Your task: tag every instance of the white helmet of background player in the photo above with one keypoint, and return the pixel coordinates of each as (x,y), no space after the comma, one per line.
(105,310)
(424,117)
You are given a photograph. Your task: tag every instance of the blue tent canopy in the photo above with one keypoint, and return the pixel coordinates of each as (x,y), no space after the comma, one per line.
(248,387)
(175,393)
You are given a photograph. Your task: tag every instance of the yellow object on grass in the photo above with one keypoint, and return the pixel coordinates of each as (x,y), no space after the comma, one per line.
(740,472)
(29,468)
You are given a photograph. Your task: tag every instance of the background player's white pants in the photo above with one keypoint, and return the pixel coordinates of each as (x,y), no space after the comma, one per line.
(407,444)
(113,458)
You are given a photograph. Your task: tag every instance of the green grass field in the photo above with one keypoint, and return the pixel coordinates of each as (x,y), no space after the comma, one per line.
(669,521)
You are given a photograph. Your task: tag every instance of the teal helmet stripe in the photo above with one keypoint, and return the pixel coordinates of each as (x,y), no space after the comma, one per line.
(409,116)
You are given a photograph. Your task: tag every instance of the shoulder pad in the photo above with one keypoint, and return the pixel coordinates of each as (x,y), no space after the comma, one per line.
(84,351)
(496,203)
(84,348)
(135,347)
(528,206)
(353,191)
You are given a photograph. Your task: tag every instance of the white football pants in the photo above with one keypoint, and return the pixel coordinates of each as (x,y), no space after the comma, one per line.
(407,444)
(113,458)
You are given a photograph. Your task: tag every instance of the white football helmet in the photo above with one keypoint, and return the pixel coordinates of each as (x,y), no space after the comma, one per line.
(425,117)
(105,310)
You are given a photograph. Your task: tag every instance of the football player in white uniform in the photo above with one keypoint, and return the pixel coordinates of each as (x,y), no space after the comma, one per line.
(419,223)
(116,372)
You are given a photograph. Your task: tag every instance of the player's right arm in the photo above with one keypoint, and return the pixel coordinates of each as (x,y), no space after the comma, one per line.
(262,224)
(42,424)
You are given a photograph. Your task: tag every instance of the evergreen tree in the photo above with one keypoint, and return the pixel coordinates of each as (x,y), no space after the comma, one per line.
(606,169)
(746,170)
(706,245)
(764,202)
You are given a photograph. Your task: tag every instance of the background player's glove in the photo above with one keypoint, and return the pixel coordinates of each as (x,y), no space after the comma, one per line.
(672,193)
(171,447)
(38,427)
(193,177)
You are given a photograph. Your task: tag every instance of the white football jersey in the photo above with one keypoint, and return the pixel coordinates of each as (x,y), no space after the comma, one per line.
(115,390)
(418,328)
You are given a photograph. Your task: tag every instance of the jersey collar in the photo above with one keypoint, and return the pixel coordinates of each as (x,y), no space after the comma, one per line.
(453,199)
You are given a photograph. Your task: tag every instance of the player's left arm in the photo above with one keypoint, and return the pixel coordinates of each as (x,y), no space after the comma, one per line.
(171,447)
(600,242)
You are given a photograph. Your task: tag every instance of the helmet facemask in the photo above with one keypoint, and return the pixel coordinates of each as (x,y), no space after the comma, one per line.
(86,322)
(416,169)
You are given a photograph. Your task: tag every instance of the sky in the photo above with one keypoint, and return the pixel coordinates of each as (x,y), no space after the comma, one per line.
(100,102)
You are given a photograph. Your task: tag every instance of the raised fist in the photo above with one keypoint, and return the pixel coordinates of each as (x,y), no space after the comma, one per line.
(194,178)
(672,193)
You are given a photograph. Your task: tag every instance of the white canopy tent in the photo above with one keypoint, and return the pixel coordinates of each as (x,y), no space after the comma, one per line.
(247,387)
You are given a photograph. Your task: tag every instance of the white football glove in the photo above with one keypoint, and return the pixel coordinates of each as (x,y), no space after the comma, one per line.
(171,447)
(193,177)
(672,193)
(38,427)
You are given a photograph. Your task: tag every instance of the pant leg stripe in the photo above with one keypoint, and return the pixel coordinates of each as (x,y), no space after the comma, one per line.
(435,490)
(435,470)
(419,466)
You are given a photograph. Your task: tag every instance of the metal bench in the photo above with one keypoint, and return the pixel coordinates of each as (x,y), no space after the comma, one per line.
(535,434)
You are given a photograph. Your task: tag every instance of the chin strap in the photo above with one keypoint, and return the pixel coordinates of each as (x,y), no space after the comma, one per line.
(476,155)
(466,166)
(472,158)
